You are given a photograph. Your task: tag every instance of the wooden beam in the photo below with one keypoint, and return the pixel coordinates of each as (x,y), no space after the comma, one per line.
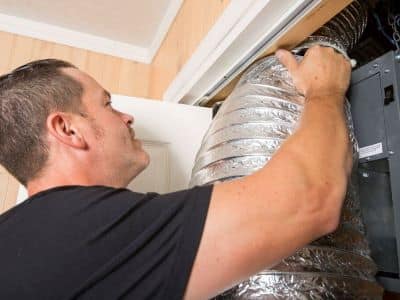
(320,15)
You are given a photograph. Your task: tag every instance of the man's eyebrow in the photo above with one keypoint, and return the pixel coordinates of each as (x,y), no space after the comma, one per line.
(107,94)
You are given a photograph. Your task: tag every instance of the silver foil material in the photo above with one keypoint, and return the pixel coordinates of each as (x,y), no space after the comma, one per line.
(304,286)
(261,112)
(347,27)
(328,260)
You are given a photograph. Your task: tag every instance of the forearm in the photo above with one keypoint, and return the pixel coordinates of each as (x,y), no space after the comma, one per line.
(314,161)
(294,199)
(321,143)
(297,196)
(255,221)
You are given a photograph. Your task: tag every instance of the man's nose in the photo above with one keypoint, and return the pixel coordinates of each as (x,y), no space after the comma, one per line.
(128,119)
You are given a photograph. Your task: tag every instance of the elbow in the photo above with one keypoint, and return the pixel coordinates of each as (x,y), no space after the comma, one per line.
(331,223)
(327,205)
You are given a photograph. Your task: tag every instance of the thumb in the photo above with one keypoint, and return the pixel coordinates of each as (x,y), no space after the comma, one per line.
(288,60)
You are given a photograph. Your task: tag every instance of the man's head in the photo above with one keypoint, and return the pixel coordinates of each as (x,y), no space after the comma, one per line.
(49,109)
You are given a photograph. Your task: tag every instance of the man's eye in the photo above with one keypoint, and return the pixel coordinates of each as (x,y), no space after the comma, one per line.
(108,103)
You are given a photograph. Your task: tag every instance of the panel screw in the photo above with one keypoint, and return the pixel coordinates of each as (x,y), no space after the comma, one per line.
(391,152)
(387,71)
(375,65)
(397,57)
(366,175)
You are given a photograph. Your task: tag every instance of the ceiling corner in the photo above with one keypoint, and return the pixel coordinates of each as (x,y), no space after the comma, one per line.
(164,27)
(89,41)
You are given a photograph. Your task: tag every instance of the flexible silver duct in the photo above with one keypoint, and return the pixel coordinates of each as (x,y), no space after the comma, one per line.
(261,112)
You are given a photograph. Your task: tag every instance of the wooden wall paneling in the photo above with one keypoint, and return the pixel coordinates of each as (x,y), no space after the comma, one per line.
(111,74)
(22,51)
(7,45)
(134,78)
(141,80)
(192,23)
(12,192)
(61,52)
(79,58)
(41,50)
(8,190)
(95,65)
(166,62)
(120,76)
(196,20)
(3,189)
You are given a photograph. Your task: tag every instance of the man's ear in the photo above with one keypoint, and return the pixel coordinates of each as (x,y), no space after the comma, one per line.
(61,126)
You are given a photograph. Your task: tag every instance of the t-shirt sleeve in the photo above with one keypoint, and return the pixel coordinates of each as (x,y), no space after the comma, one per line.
(193,218)
(141,246)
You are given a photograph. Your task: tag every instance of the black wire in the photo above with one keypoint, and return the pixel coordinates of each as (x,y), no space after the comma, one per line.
(382,29)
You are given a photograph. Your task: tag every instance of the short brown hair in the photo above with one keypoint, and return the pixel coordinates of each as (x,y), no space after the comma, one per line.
(27,96)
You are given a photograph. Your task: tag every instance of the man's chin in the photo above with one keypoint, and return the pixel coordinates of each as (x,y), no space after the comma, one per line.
(142,161)
(142,158)
(146,159)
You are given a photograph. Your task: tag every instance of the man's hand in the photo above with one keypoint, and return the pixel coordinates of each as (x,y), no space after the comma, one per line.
(321,74)
(323,77)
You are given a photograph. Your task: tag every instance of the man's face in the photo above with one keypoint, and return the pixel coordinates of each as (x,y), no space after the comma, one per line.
(109,132)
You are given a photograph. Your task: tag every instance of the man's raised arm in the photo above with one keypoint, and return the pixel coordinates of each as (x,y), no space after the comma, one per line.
(256,221)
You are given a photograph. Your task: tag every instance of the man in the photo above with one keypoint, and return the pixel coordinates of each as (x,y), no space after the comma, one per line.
(81,235)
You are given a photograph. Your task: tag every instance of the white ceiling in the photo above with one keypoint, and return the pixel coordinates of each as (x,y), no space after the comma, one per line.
(139,25)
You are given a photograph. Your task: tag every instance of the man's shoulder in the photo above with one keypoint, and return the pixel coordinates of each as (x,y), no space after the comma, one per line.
(86,202)
(62,199)
(73,193)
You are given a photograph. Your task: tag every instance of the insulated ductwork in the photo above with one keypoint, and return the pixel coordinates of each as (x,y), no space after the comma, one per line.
(252,123)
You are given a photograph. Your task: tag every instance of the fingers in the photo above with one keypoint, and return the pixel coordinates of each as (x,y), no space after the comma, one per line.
(321,72)
(288,60)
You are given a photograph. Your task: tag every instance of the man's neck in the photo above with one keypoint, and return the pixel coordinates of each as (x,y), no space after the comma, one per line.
(47,182)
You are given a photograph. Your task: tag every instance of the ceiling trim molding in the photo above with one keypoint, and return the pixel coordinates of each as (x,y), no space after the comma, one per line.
(164,27)
(91,42)
(72,38)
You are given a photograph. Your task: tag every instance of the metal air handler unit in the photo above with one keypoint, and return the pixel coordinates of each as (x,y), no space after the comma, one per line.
(375,105)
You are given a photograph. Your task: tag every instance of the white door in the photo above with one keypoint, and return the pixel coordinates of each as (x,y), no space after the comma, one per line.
(171,134)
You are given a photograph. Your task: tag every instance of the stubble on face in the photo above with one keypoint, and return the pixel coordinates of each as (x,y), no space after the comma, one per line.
(136,159)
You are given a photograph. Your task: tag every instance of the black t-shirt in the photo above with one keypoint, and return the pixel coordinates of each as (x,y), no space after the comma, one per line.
(97,242)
